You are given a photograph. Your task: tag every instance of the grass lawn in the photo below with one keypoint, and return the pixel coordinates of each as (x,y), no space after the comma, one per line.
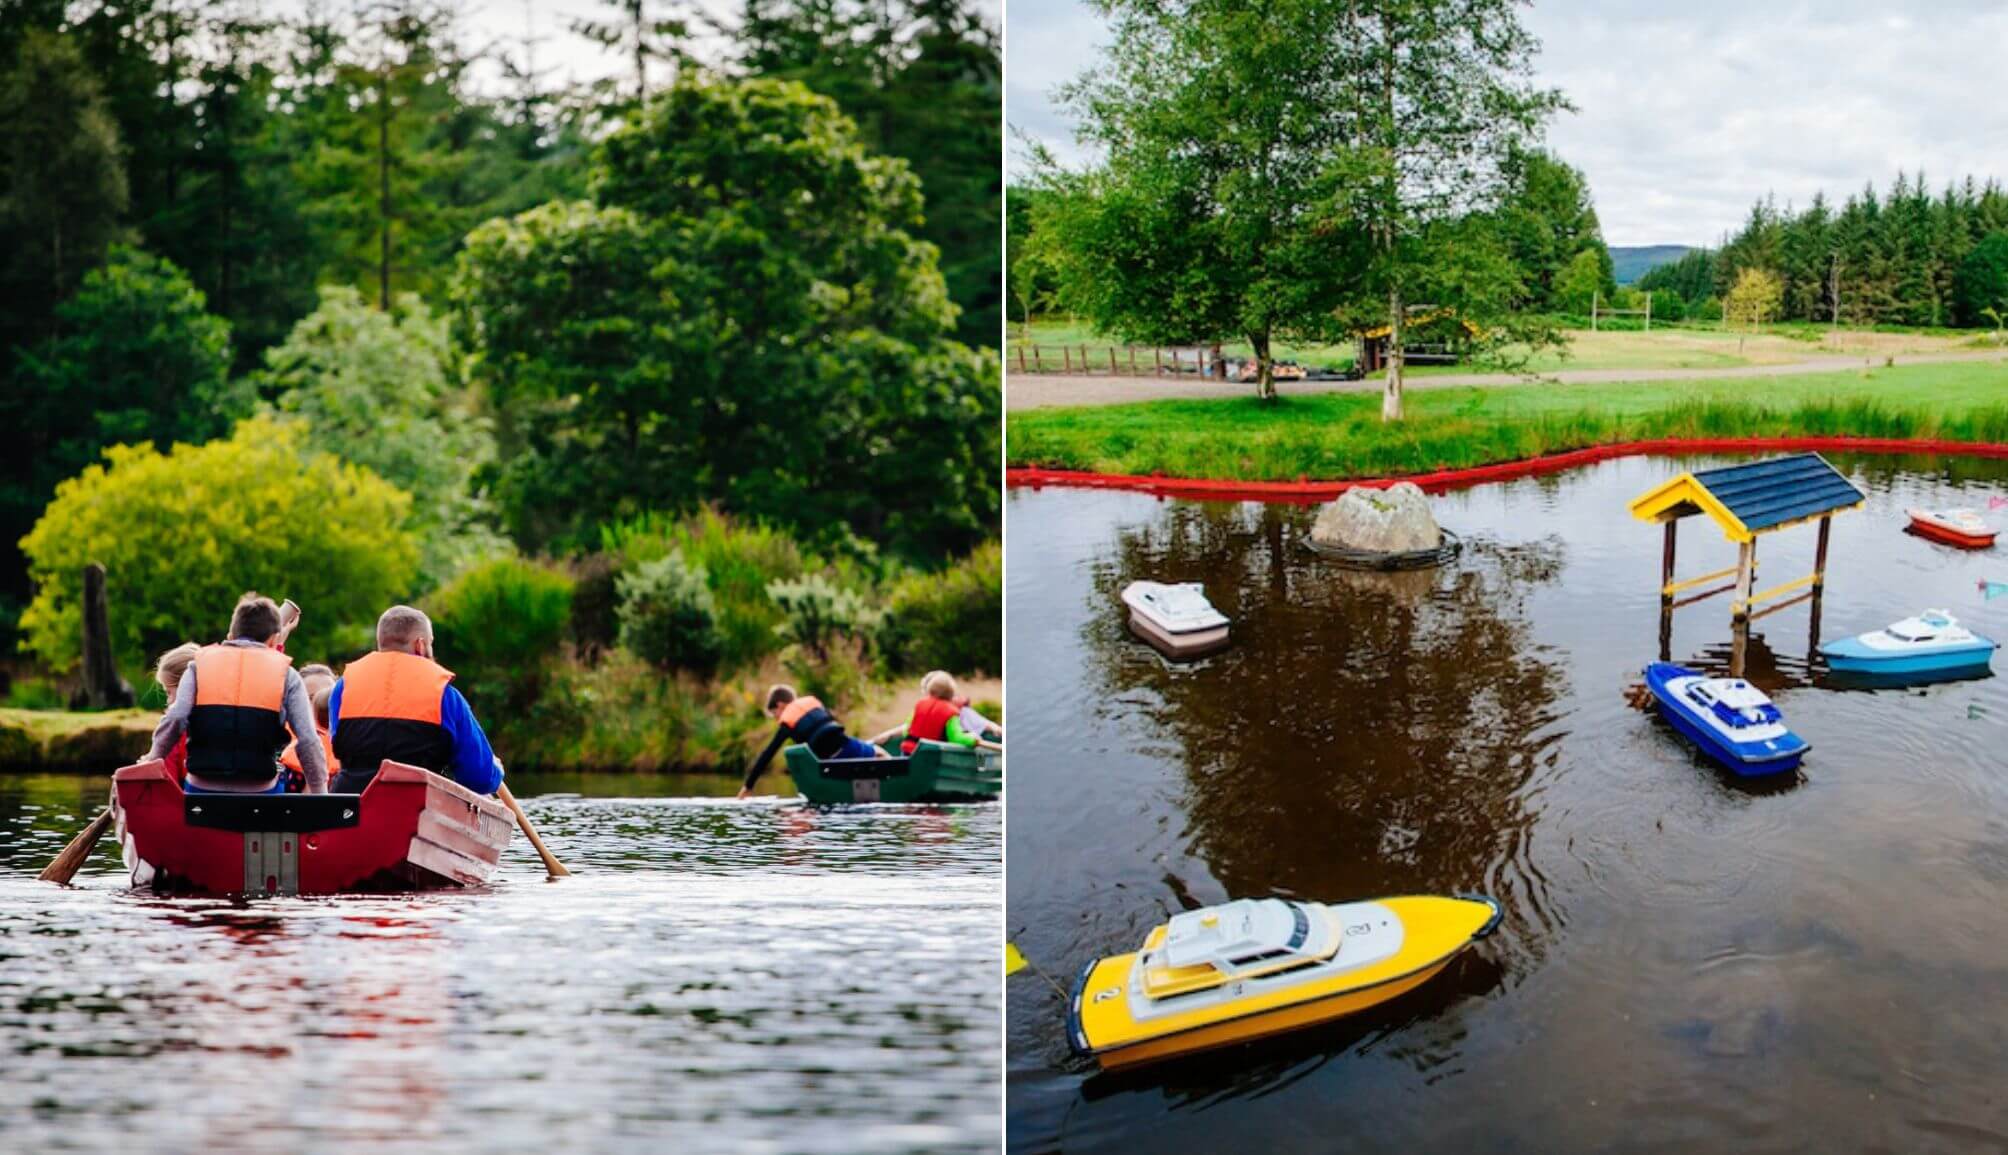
(1340,435)
(1669,347)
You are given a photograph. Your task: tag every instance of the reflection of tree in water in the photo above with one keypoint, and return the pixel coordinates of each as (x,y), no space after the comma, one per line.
(1366,733)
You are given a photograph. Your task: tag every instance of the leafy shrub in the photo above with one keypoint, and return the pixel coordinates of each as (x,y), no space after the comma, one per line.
(504,616)
(183,534)
(596,603)
(668,616)
(951,620)
(838,673)
(36,694)
(815,612)
(740,560)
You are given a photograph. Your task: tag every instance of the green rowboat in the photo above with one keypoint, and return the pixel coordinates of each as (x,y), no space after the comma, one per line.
(937,772)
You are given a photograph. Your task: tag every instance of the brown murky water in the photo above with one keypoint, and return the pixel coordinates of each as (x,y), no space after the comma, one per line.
(1688,961)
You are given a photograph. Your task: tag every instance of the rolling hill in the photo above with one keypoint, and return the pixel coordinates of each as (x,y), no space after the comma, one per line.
(1630,262)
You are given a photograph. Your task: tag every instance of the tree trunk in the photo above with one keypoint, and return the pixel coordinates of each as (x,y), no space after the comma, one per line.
(383,190)
(1265,371)
(103,689)
(1391,391)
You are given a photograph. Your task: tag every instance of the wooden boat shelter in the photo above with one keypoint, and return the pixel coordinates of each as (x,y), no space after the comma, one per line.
(1746,502)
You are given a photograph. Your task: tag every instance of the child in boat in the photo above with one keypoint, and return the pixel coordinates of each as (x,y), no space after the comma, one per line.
(806,720)
(936,717)
(168,671)
(975,723)
(320,682)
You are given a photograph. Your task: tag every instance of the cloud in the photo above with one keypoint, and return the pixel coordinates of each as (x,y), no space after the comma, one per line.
(1688,114)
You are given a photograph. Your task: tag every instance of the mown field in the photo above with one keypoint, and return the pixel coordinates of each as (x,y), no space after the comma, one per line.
(1338,435)
(1698,346)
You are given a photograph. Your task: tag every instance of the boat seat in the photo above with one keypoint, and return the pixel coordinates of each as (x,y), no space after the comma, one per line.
(257,813)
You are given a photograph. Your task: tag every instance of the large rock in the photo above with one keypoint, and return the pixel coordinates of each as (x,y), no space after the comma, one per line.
(1392,520)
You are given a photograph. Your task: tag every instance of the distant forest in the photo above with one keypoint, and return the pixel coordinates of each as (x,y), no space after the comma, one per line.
(1910,256)
(351,144)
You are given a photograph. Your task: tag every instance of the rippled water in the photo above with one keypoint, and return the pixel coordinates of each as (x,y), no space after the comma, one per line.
(716,976)
(1688,961)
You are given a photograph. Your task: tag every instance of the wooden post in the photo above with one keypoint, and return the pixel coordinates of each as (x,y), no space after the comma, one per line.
(1746,572)
(1038,366)
(1820,553)
(1202,360)
(1666,561)
(103,689)
(1021,358)
(1648,312)
(1066,359)
(1112,361)
(1156,361)
(1132,350)
(1594,294)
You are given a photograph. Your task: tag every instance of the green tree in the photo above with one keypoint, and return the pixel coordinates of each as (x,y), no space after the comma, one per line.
(643,31)
(1436,98)
(136,358)
(1030,283)
(182,534)
(744,316)
(1983,281)
(1579,283)
(922,79)
(1545,221)
(377,388)
(1220,126)
(1754,298)
(65,185)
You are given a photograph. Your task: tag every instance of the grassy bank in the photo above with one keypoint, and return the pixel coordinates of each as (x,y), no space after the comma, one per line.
(1697,346)
(67,740)
(1341,435)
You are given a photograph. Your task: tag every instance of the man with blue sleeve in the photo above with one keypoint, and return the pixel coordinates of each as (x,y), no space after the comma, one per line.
(397,704)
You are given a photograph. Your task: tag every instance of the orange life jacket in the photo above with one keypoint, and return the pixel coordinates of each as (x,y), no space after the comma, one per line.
(237,728)
(390,710)
(807,721)
(291,758)
(930,722)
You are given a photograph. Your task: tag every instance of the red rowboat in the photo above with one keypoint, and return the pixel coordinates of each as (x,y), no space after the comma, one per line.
(409,829)
(1960,527)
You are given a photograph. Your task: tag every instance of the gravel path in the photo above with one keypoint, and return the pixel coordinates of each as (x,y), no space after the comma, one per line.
(1047,390)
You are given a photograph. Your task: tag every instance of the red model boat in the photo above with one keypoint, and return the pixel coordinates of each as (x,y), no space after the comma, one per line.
(1960,527)
(409,829)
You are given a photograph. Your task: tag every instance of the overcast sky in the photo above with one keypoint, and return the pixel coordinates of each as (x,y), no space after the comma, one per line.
(1689,111)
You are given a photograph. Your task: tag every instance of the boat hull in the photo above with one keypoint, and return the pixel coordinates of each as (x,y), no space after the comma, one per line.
(936,772)
(1740,760)
(408,830)
(1188,644)
(1952,663)
(1947,535)
(1436,931)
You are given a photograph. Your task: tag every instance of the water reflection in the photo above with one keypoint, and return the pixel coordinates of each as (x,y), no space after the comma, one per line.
(1687,962)
(737,976)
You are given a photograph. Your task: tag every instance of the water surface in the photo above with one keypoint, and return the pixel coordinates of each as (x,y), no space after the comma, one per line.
(1688,961)
(716,976)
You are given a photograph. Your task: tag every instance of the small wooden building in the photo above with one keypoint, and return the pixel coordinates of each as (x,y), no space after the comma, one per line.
(1746,502)
(1429,336)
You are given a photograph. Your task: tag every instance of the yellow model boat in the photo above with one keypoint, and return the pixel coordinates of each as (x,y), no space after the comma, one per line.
(1257,967)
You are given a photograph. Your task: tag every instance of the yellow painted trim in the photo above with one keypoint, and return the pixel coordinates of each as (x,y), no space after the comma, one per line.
(1653,504)
(1781,590)
(1675,587)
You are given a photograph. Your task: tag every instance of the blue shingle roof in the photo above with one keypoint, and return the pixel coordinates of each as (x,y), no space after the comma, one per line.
(1764,494)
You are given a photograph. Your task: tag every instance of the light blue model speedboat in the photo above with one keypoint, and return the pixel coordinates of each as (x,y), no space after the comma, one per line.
(1930,646)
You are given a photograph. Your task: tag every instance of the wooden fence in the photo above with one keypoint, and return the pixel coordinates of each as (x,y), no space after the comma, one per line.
(1114,360)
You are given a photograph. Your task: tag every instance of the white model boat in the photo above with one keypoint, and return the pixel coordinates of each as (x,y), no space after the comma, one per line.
(1176,618)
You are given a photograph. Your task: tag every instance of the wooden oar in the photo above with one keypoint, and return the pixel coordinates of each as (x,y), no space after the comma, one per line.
(78,852)
(551,862)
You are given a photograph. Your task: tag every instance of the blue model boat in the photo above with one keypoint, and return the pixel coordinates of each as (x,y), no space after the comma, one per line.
(1931,645)
(1730,719)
